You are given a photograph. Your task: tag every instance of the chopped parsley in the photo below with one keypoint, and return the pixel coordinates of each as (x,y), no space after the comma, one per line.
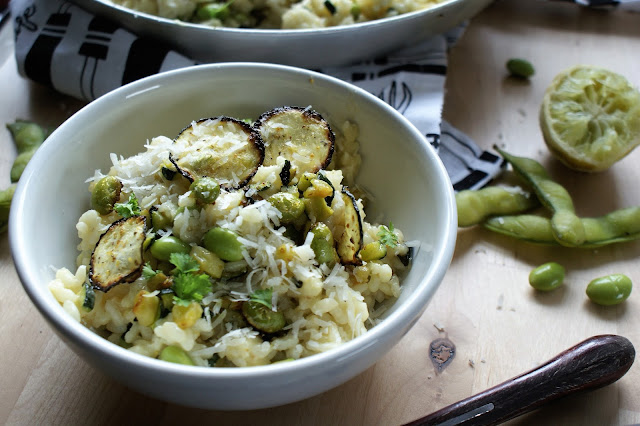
(387,236)
(148,272)
(263,296)
(188,285)
(128,209)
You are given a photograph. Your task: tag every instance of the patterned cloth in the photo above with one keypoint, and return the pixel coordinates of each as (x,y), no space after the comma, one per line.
(62,46)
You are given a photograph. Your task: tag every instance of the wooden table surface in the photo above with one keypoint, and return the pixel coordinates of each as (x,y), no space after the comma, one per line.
(500,326)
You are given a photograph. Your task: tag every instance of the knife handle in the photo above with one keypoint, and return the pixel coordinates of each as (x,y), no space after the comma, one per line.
(591,364)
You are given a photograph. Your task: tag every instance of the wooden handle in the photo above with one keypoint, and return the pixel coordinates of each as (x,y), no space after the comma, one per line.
(591,364)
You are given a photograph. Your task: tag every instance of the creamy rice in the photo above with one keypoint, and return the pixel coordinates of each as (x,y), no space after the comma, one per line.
(278,14)
(323,305)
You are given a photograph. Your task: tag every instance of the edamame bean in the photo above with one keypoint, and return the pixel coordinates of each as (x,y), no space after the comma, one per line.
(566,225)
(290,205)
(106,194)
(176,355)
(205,189)
(373,251)
(262,317)
(520,68)
(162,248)
(547,276)
(474,206)
(609,290)
(224,243)
(323,244)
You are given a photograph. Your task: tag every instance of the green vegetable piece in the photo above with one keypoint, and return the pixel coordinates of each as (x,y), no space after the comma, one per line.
(187,285)
(531,228)
(128,209)
(164,247)
(176,355)
(106,194)
(375,250)
(205,189)
(6,196)
(475,206)
(547,276)
(290,205)
(223,242)
(323,244)
(317,209)
(609,290)
(387,236)
(616,227)
(566,225)
(520,68)
(259,312)
(89,298)
(206,11)
(20,163)
(160,219)
(28,137)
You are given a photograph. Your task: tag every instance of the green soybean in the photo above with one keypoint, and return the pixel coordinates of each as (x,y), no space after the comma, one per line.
(263,317)
(474,206)
(223,242)
(323,244)
(520,68)
(105,194)
(176,355)
(290,205)
(547,276)
(205,189)
(566,225)
(163,247)
(609,290)
(373,251)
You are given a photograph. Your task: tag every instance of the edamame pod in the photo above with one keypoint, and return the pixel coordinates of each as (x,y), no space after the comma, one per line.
(566,225)
(616,227)
(474,206)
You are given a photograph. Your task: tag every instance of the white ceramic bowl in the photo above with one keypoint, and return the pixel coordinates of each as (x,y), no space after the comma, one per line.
(309,48)
(399,167)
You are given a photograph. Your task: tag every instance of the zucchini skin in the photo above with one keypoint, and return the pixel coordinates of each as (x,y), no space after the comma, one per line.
(253,137)
(274,146)
(106,283)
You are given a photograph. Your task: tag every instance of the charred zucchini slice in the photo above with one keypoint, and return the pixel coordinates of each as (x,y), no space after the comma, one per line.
(349,242)
(222,148)
(117,257)
(300,135)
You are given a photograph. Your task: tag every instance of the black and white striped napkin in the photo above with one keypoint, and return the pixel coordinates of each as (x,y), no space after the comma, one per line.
(76,53)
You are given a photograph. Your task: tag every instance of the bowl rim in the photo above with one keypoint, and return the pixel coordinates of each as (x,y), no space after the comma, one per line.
(278,33)
(82,336)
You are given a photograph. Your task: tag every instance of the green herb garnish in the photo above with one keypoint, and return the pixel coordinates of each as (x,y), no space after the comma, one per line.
(263,297)
(187,285)
(128,209)
(387,236)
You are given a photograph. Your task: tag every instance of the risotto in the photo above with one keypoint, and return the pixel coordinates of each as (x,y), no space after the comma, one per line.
(277,14)
(238,243)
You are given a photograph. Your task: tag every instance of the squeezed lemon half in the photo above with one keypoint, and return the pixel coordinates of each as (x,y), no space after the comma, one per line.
(590,118)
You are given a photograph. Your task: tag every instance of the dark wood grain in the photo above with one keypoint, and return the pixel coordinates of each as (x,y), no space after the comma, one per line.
(591,364)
